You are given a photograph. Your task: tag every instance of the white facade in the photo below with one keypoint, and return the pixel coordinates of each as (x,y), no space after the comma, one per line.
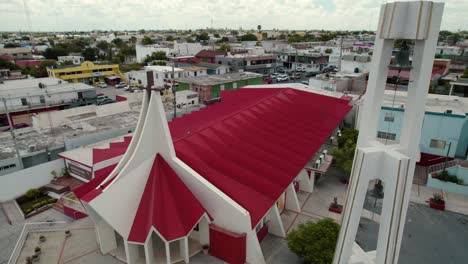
(449,50)
(143,51)
(76,60)
(350,62)
(186,49)
(163,74)
(392,163)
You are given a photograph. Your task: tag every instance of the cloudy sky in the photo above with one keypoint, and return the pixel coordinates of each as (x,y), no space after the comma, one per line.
(67,15)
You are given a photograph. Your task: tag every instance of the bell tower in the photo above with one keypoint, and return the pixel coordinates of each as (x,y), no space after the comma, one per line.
(392,163)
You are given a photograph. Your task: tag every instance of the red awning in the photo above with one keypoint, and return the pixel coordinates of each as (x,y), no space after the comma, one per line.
(166,204)
(255,142)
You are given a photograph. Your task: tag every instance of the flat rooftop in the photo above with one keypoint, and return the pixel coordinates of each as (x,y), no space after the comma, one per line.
(219,79)
(30,87)
(435,102)
(159,68)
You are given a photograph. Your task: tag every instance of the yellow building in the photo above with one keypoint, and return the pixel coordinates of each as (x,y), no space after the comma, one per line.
(87,72)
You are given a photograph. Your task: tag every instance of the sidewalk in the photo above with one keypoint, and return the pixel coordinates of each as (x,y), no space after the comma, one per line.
(454,202)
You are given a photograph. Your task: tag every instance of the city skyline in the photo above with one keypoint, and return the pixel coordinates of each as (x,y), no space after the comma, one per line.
(86,15)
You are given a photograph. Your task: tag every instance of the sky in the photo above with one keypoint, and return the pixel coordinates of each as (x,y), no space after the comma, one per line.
(84,15)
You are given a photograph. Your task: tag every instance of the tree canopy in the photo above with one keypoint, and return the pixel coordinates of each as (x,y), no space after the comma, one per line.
(147,41)
(248,37)
(315,242)
(344,153)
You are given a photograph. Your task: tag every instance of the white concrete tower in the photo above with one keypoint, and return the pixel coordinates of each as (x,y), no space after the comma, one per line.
(394,164)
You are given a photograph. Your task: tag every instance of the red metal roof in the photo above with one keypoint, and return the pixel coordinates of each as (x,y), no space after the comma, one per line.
(255,142)
(166,204)
(209,53)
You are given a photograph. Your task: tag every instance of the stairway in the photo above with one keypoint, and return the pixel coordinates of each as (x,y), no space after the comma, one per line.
(58,205)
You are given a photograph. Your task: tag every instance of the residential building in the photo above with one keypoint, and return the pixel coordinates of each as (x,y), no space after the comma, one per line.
(19,53)
(210,86)
(208,55)
(88,72)
(214,68)
(356,63)
(27,97)
(163,75)
(445,123)
(449,50)
(146,50)
(186,49)
(75,60)
(194,71)
(7,74)
(263,64)
(312,62)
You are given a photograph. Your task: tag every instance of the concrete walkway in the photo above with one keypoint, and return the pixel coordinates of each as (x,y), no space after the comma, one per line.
(454,202)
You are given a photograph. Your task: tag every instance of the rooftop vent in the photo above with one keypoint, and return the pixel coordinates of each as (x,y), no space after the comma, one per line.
(448,111)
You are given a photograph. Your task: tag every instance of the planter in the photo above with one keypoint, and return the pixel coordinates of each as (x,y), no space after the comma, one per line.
(205,249)
(67,233)
(335,209)
(437,206)
(42,239)
(37,251)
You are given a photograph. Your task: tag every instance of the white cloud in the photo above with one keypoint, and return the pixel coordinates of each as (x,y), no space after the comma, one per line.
(61,15)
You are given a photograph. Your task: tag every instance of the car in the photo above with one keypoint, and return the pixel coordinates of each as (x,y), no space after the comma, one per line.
(274,75)
(305,82)
(106,101)
(102,85)
(301,69)
(282,78)
(267,79)
(310,74)
(121,85)
(280,70)
(296,76)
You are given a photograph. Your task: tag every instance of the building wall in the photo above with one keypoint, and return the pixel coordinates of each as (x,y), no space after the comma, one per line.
(8,166)
(436,126)
(17,183)
(143,51)
(72,143)
(87,72)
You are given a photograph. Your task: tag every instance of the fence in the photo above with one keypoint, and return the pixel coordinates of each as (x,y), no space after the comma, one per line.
(34,227)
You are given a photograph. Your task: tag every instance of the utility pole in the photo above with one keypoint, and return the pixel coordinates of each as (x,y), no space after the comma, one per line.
(20,160)
(446,156)
(341,54)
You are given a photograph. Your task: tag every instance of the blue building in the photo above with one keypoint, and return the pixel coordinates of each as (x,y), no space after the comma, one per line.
(445,123)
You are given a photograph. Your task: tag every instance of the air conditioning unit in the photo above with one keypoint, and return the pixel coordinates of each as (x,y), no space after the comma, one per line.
(317,164)
(32,148)
(324,152)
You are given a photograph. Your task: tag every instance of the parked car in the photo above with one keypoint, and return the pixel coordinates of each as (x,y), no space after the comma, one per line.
(282,78)
(280,70)
(121,85)
(267,79)
(296,76)
(274,75)
(106,101)
(301,69)
(331,68)
(102,85)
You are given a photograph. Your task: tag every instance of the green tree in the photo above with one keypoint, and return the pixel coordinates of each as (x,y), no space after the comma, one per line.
(294,38)
(4,64)
(133,40)
(315,242)
(4,36)
(170,38)
(216,35)
(89,54)
(190,40)
(202,37)
(234,32)
(155,56)
(264,35)
(147,41)
(225,48)
(102,45)
(328,50)
(53,53)
(248,37)
(118,42)
(344,153)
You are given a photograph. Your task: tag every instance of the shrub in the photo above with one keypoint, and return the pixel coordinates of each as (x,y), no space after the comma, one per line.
(315,242)
(33,193)
(465,73)
(446,177)
(438,198)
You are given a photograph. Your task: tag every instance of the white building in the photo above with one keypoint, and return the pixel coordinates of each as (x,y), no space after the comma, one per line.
(353,62)
(28,96)
(449,50)
(76,60)
(162,75)
(142,51)
(194,71)
(186,49)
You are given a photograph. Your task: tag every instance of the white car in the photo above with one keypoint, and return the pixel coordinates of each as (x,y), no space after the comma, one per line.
(282,78)
(102,85)
(121,85)
(274,75)
(301,69)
